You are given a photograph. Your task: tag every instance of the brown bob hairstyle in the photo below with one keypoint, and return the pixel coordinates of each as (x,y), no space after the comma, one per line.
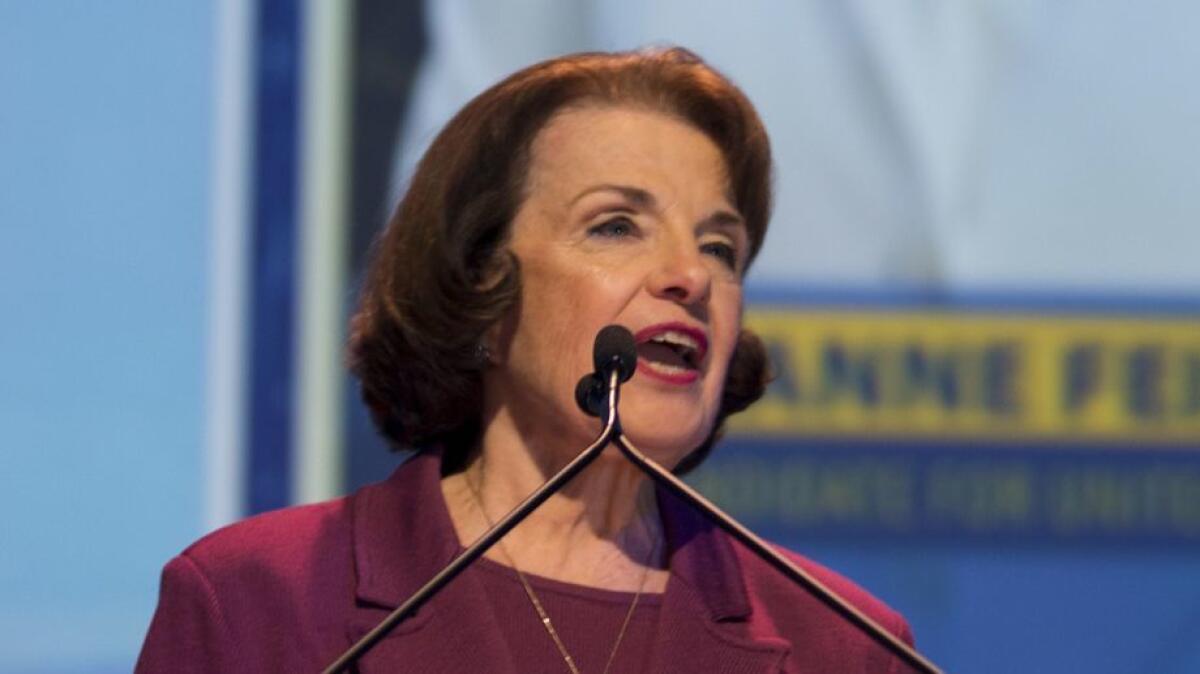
(440,275)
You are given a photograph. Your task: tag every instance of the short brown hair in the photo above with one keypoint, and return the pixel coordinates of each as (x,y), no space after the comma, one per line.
(439,275)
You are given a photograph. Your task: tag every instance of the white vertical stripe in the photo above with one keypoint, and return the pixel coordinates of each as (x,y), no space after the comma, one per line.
(323,226)
(225,394)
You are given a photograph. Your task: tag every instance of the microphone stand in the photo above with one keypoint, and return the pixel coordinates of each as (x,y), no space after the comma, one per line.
(773,557)
(612,433)
(612,427)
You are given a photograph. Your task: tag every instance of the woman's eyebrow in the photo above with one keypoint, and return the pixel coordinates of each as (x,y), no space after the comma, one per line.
(644,200)
(722,219)
(638,196)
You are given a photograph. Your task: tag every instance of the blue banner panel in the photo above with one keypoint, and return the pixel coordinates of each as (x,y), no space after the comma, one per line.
(835,488)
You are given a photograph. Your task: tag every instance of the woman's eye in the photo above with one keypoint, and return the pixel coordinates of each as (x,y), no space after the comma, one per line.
(613,228)
(724,252)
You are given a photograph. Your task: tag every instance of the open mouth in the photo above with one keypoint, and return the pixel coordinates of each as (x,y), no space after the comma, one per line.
(673,352)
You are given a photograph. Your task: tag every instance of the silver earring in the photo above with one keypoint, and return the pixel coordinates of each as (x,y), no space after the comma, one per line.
(483,355)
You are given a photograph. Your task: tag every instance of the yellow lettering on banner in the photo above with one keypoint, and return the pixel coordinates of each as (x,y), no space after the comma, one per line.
(926,374)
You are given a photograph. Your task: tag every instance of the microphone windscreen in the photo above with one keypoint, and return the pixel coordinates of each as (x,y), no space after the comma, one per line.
(589,394)
(614,348)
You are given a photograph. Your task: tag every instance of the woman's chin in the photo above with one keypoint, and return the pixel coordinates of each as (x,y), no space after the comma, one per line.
(665,430)
(666,442)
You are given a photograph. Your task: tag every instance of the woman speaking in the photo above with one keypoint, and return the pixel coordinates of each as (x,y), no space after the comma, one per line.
(629,188)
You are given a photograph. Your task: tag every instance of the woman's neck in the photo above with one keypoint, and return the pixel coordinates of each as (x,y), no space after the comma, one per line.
(601,530)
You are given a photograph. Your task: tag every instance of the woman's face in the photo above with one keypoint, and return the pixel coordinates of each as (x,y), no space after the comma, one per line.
(627,219)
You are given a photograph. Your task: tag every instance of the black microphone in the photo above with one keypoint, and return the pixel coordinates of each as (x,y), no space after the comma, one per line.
(589,394)
(613,349)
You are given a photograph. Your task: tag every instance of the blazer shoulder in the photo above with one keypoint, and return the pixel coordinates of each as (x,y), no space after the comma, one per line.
(275,538)
(257,595)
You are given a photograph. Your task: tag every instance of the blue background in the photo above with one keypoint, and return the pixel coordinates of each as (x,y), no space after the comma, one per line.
(105,144)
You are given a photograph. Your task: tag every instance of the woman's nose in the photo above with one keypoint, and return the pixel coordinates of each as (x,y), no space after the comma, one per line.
(681,275)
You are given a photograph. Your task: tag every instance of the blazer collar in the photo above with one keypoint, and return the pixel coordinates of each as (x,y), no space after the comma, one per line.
(403,536)
(702,556)
(705,617)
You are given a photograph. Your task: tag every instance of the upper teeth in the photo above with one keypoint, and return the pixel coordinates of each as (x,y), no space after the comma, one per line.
(676,339)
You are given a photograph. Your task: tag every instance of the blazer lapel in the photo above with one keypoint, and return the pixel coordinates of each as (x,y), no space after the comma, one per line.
(402,537)
(704,620)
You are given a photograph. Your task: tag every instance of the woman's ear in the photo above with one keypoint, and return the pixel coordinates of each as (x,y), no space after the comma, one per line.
(494,343)
(496,340)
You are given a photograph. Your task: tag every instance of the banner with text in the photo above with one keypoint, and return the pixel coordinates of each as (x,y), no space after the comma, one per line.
(964,425)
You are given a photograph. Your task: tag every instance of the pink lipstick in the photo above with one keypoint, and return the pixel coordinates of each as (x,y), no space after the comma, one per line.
(671,352)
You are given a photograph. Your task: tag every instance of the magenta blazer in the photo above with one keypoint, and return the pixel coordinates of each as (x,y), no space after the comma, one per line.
(289,590)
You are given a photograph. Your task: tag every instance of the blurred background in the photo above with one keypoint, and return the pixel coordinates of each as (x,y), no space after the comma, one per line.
(979,291)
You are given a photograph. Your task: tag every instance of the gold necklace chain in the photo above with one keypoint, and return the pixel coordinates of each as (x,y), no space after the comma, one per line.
(541,610)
